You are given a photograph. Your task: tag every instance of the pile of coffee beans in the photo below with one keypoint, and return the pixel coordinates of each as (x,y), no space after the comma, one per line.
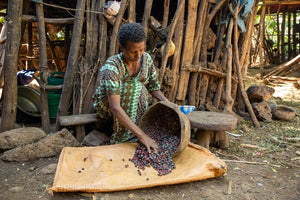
(162,160)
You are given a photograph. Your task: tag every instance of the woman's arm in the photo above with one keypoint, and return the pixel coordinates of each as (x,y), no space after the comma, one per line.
(160,96)
(120,114)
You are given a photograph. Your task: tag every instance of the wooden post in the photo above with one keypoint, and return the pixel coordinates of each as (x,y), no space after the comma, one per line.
(43,68)
(131,11)
(102,44)
(197,47)
(113,39)
(9,105)
(278,35)
(294,34)
(89,73)
(187,50)
(282,38)
(289,36)
(246,42)
(170,35)
(166,13)
(147,13)
(178,36)
(65,98)
(238,69)
(67,42)
(203,58)
(228,99)
(261,39)
(29,41)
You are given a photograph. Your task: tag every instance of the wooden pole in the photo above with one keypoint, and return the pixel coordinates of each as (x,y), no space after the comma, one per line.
(43,68)
(166,13)
(67,42)
(228,99)
(178,36)
(197,47)
(280,68)
(203,58)
(9,105)
(261,39)
(147,13)
(114,37)
(278,35)
(91,54)
(131,11)
(238,70)
(64,103)
(170,35)
(289,36)
(187,50)
(282,38)
(31,18)
(29,41)
(246,43)
(294,34)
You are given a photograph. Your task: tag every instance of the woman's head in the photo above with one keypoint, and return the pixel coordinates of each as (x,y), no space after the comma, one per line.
(133,32)
(132,41)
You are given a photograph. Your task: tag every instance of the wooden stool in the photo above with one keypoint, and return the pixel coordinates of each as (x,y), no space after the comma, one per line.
(211,127)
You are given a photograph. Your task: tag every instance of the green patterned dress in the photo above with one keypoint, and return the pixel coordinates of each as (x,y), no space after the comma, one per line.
(133,91)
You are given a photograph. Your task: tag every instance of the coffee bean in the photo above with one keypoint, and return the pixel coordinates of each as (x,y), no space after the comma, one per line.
(162,160)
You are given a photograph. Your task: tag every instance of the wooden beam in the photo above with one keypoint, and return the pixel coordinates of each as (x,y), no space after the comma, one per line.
(202,69)
(30,18)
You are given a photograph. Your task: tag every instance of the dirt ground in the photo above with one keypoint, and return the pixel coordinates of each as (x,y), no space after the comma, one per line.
(270,171)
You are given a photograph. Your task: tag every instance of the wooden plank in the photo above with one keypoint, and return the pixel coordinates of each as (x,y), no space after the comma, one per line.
(187,56)
(71,120)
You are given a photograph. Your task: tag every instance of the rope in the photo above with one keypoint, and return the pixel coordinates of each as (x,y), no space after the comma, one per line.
(65,8)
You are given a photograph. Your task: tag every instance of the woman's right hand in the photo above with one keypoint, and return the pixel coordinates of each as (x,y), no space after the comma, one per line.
(150,144)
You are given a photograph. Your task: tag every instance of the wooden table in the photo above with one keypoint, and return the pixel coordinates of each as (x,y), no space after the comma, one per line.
(211,127)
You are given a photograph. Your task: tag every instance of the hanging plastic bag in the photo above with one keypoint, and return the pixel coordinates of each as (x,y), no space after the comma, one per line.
(112,8)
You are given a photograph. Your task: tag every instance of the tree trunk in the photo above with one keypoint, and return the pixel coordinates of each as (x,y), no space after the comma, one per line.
(65,98)
(9,105)
(43,68)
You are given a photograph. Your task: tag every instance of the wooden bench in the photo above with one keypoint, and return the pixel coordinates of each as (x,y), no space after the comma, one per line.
(78,121)
(212,127)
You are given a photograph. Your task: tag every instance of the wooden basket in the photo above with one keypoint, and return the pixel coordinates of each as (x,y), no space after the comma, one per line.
(170,118)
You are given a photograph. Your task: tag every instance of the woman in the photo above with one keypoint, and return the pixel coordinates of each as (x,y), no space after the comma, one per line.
(125,82)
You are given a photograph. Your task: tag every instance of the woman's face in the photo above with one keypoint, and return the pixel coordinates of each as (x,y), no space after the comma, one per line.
(133,51)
